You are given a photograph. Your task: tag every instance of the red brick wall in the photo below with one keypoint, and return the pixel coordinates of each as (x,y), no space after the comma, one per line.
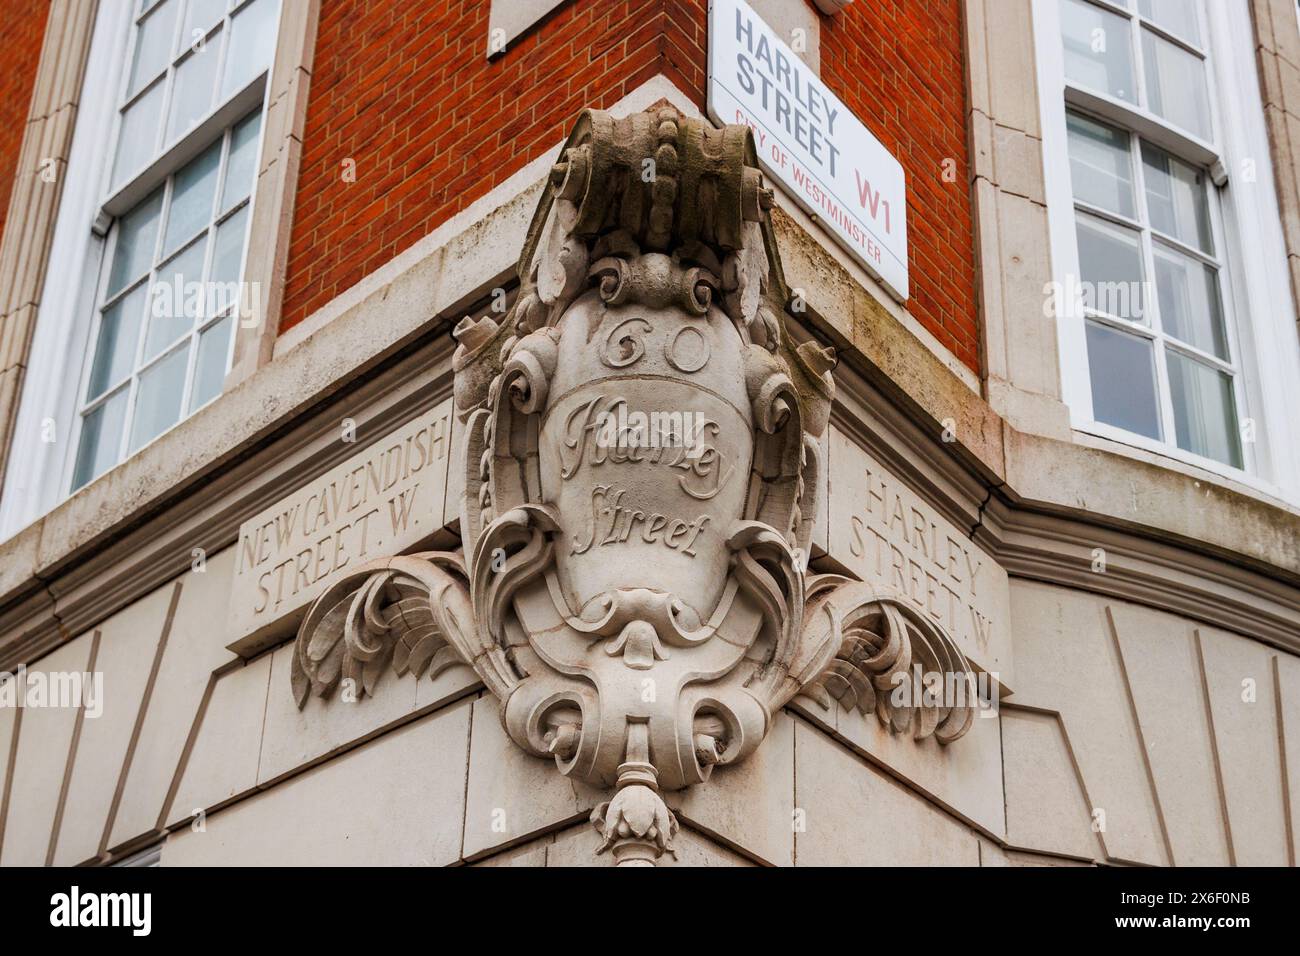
(406,91)
(898,65)
(20,54)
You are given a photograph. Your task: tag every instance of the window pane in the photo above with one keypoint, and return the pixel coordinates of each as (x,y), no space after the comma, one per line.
(1099,165)
(153,46)
(1189,300)
(1176,16)
(101,436)
(119,331)
(158,400)
(1098,51)
(191,206)
(1205,416)
(210,370)
(1176,198)
(229,257)
(252,44)
(242,162)
(1110,269)
(136,234)
(1123,378)
(227,263)
(173,305)
(1176,85)
(201,15)
(192,94)
(138,134)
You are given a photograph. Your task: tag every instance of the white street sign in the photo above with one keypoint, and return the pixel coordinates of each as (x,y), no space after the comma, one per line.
(809,141)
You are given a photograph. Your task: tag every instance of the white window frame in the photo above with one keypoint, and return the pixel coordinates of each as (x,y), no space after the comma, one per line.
(48,423)
(171,156)
(139,364)
(1153,330)
(1257,304)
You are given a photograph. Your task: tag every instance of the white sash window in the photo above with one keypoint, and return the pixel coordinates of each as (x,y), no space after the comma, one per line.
(1171,315)
(177,191)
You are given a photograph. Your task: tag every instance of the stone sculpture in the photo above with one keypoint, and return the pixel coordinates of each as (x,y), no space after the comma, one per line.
(641,473)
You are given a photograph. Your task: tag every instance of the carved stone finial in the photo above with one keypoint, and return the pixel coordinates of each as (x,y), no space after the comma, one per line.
(636,822)
(641,470)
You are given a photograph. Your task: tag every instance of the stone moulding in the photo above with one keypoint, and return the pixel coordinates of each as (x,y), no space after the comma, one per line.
(641,471)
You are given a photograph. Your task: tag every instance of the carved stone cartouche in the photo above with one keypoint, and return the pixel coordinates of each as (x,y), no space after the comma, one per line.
(641,472)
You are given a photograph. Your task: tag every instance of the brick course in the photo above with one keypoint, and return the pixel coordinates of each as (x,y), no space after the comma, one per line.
(899,66)
(20,52)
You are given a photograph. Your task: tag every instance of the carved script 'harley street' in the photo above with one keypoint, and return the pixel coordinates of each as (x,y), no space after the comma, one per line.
(618,522)
(603,430)
(887,534)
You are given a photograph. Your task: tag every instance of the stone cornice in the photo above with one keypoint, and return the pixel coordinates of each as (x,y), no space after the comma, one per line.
(143,552)
(1041,538)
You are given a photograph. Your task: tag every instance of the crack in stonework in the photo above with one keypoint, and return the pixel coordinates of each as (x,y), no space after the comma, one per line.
(979,512)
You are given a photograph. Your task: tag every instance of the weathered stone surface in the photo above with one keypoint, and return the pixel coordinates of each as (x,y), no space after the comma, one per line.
(993,855)
(223,762)
(533,853)
(20,552)
(750,804)
(293,737)
(44,740)
(376,807)
(1151,491)
(8,727)
(513,795)
(1242,695)
(835,792)
(1288,682)
(1164,675)
(188,660)
(1047,811)
(966,779)
(1066,661)
(128,644)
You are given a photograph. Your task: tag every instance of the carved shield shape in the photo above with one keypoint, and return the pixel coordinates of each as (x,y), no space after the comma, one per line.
(641,470)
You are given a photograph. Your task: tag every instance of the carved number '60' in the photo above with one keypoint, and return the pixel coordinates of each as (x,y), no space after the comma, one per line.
(623,348)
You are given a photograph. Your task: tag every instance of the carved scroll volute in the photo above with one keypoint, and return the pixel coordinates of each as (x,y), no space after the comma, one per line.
(410,613)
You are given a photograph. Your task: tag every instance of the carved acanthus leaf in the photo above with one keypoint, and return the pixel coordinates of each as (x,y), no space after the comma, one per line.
(637,814)
(411,613)
(875,652)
